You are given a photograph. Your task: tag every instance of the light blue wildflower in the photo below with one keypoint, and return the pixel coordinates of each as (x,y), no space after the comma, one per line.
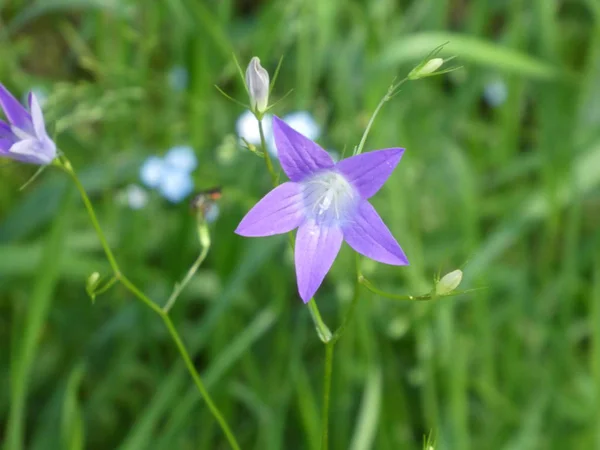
(495,92)
(178,78)
(151,171)
(175,185)
(171,175)
(182,157)
(136,196)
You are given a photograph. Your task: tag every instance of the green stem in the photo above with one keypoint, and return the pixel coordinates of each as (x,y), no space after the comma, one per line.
(350,313)
(366,283)
(199,384)
(326,394)
(179,287)
(268,160)
(392,90)
(66,165)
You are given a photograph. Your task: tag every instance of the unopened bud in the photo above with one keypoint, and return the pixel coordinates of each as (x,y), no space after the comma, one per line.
(257,80)
(424,69)
(449,282)
(92,281)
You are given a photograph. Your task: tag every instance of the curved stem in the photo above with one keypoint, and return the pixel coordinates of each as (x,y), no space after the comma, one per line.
(366,283)
(392,90)
(199,384)
(326,394)
(179,287)
(66,165)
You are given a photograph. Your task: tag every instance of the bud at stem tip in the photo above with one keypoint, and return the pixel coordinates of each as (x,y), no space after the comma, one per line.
(257,80)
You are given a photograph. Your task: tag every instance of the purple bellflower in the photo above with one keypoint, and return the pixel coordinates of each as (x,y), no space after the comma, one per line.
(328,203)
(24,137)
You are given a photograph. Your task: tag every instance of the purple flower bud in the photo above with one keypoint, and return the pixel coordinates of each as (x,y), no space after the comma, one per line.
(257,80)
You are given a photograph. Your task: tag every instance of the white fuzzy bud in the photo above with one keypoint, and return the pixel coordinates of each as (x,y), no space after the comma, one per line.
(449,282)
(257,80)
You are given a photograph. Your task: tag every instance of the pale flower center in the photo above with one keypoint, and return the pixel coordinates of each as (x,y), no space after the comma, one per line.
(328,197)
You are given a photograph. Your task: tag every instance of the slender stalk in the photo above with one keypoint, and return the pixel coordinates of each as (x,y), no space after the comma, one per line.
(199,384)
(90,209)
(366,283)
(179,287)
(268,160)
(326,394)
(392,90)
(350,313)
(66,165)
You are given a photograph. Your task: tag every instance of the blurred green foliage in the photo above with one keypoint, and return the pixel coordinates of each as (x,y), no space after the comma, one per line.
(505,188)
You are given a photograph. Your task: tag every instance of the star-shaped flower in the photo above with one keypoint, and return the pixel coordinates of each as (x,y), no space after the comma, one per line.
(24,138)
(328,203)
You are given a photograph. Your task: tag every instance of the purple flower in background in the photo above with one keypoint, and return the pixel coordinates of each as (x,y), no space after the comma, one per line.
(24,138)
(327,202)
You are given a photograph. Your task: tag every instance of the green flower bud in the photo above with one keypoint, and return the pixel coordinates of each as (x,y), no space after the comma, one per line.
(449,282)
(257,80)
(426,68)
(92,281)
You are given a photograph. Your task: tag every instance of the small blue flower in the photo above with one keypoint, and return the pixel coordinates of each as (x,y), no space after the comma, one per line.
(151,171)
(178,78)
(136,196)
(175,185)
(182,157)
(171,175)
(495,92)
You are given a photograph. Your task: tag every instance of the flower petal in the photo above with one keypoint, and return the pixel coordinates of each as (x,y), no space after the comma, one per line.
(175,185)
(14,111)
(280,211)
(367,234)
(30,151)
(367,172)
(151,171)
(37,116)
(182,157)
(299,156)
(316,249)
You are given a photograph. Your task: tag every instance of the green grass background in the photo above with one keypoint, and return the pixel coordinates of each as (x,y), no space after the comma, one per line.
(510,194)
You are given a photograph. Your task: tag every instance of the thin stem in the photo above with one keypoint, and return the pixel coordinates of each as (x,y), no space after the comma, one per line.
(66,165)
(389,94)
(350,313)
(90,209)
(179,287)
(199,384)
(366,283)
(263,143)
(326,394)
